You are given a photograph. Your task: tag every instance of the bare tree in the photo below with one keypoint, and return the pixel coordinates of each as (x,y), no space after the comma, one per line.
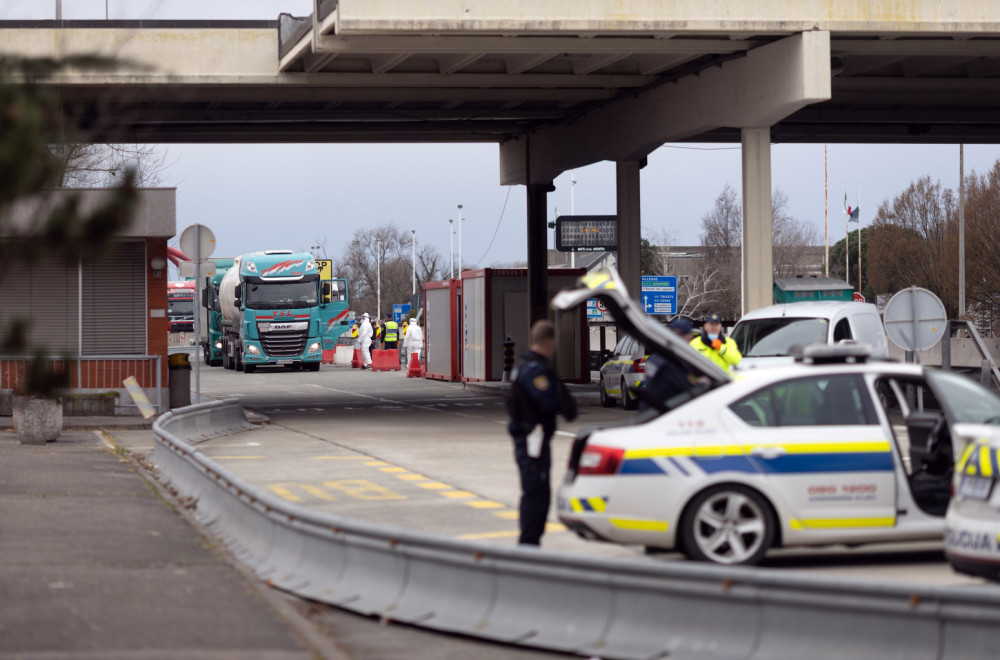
(103,165)
(697,294)
(384,251)
(913,241)
(791,238)
(721,240)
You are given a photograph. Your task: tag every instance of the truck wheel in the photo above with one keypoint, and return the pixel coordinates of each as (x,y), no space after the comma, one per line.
(239,360)
(207,355)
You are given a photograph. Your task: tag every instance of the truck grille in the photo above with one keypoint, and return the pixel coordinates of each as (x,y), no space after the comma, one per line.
(283,344)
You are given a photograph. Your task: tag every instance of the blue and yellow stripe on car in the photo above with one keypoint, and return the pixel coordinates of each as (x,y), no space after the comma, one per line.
(794,458)
(588,504)
(979,459)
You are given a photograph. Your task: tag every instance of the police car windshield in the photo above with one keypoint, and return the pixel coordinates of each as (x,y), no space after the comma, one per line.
(968,402)
(774,337)
(282,295)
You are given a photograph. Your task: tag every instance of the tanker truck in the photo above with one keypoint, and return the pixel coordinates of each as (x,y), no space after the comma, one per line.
(270,303)
(211,313)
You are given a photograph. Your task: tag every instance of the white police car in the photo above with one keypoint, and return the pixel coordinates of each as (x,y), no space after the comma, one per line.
(972,532)
(623,373)
(799,455)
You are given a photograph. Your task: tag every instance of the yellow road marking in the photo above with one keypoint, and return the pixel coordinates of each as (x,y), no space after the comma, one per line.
(550,527)
(507,515)
(340,458)
(376,463)
(361,489)
(435,485)
(458,494)
(393,469)
(284,491)
(484,504)
(411,477)
(234,458)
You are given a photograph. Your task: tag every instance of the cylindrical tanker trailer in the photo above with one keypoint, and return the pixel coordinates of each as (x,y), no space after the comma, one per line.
(270,303)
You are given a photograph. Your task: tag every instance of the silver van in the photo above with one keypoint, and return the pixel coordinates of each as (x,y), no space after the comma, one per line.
(768,334)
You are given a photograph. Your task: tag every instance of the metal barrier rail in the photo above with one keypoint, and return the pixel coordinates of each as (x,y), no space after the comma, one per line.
(585,605)
(94,373)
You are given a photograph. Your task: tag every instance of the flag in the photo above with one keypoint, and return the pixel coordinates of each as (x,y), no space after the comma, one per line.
(847,209)
(852,214)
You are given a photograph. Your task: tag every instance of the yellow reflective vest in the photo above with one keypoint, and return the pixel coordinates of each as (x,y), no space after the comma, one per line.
(727,357)
(391,331)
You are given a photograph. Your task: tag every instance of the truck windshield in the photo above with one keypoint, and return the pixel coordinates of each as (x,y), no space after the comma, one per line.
(181,308)
(774,337)
(283,295)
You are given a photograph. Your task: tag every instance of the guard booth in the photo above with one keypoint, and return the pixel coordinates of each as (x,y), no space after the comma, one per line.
(468,320)
(495,306)
(809,288)
(442,327)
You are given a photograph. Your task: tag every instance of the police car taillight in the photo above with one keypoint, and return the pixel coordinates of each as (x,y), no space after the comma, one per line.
(639,365)
(600,460)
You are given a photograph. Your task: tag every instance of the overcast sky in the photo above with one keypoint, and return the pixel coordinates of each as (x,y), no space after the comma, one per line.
(292,196)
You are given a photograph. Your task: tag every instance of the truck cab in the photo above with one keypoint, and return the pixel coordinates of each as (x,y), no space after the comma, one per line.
(270,303)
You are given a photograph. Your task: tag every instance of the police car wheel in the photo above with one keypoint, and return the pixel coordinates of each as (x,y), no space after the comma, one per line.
(628,403)
(606,401)
(727,524)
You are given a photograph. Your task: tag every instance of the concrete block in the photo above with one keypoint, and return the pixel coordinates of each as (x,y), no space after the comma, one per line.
(37,420)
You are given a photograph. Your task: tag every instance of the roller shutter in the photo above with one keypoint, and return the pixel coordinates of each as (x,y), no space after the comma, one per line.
(114,302)
(45,295)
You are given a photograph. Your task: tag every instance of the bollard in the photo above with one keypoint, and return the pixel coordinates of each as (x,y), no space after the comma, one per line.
(508,359)
(179,368)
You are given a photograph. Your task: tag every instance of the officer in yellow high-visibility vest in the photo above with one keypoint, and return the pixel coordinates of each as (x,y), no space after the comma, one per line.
(354,334)
(391,335)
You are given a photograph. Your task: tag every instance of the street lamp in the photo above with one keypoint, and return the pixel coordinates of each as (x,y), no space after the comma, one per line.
(459,241)
(315,251)
(451,248)
(413,257)
(378,278)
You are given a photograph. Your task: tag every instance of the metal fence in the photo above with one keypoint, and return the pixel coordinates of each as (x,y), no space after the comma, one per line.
(591,606)
(92,374)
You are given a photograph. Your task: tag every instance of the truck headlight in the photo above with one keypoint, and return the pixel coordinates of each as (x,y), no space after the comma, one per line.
(218,345)
(313,347)
(253,350)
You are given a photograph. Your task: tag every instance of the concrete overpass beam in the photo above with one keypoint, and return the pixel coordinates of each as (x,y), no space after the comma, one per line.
(768,84)
(629,226)
(757,270)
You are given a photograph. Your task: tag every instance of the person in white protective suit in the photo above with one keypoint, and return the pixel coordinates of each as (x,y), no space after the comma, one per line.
(414,341)
(365,334)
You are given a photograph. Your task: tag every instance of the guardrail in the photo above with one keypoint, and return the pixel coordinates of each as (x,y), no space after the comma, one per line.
(585,605)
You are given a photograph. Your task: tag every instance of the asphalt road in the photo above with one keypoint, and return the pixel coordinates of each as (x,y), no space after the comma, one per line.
(436,456)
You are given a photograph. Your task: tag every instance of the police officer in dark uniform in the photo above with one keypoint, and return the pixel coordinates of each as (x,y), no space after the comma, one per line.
(537,396)
(666,377)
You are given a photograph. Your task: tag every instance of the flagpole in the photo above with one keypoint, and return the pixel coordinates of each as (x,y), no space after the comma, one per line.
(826,203)
(847,240)
(859,237)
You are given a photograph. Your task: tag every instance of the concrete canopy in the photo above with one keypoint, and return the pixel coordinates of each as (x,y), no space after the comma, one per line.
(917,71)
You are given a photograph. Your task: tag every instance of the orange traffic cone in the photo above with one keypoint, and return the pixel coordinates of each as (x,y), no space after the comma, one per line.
(356,359)
(415,370)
